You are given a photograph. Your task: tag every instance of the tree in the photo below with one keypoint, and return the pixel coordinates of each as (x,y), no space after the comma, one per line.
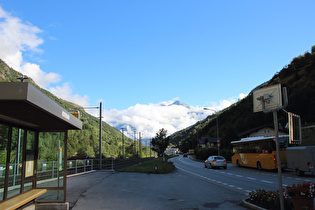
(160,142)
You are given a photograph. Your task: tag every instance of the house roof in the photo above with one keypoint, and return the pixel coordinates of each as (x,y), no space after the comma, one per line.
(23,105)
(249,131)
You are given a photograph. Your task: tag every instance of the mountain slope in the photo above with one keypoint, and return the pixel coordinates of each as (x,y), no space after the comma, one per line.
(299,79)
(86,141)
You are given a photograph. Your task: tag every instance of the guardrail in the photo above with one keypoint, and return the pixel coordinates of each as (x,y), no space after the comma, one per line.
(50,169)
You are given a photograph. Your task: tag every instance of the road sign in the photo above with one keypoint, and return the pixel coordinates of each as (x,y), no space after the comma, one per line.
(270,96)
(75,113)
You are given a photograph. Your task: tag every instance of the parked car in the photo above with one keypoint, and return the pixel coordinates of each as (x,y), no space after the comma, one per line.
(215,162)
(185,155)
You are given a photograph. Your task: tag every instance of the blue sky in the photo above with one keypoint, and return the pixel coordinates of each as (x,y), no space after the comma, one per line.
(129,52)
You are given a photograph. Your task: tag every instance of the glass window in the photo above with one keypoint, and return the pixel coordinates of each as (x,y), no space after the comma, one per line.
(52,195)
(29,161)
(4,131)
(51,159)
(16,158)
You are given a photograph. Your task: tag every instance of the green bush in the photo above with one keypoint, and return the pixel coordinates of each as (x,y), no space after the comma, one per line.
(156,166)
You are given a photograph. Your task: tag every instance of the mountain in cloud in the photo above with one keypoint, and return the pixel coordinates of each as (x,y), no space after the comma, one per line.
(179,103)
(171,115)
(174,103)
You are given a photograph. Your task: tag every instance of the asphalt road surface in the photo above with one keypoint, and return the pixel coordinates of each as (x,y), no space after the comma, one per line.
(191,186)
(240,179)
(178,190)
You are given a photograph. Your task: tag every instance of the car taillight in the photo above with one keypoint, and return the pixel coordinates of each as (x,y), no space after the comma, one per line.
(225,161)
(213,160)
(309,164)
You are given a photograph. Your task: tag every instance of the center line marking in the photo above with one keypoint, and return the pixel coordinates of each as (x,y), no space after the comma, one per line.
(266,181)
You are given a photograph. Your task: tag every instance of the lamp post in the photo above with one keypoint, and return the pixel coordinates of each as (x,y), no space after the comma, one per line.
(217,119)
(100,132)
(123,142)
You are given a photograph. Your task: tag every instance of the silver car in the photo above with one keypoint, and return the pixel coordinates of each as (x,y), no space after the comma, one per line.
(215,162)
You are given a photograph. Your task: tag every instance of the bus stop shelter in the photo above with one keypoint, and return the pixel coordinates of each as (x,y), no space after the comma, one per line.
(33,144)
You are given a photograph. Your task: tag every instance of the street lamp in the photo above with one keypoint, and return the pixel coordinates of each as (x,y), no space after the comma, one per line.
(217,119)
(123,142)
(100,132)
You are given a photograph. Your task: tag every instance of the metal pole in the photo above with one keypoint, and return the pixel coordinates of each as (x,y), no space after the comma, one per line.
(140,144)
(100,155)
(275,121)
(218,137)
(134,142)
(123,143)
(150,146)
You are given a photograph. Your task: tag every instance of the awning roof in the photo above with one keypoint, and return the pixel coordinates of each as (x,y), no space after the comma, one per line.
(23,105)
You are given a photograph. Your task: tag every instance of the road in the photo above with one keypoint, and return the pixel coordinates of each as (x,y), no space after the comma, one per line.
(178,190)
(239,179)
(191,186)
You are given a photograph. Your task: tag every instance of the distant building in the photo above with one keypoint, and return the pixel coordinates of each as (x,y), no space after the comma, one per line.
(171,150)
(207,142)
(265,130)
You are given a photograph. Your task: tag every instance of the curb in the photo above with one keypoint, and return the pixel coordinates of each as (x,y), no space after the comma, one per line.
(251,206)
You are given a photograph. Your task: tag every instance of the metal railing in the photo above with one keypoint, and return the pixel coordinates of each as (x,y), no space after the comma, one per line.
(51,170)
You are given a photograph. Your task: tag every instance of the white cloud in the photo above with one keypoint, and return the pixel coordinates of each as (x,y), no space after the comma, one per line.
(149,118)
(18,38)
(65,92)
(242,95)
(41,78)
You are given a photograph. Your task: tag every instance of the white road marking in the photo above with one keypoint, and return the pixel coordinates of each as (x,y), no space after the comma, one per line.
(266,181)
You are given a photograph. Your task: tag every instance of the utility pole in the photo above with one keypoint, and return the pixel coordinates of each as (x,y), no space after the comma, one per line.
(140,144)
(134,142)
(150,147)
(100,156)
(123,143)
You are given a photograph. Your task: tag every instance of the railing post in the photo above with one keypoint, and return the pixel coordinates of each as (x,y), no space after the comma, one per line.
(52,169)
(76,166)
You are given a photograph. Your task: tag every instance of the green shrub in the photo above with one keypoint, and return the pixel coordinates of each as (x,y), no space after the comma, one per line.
(156,166)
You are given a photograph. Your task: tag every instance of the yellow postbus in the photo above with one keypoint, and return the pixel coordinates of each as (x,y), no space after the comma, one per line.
(259,152)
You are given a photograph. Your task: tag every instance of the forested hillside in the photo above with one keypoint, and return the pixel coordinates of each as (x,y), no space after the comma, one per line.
(85,141)
(299,79)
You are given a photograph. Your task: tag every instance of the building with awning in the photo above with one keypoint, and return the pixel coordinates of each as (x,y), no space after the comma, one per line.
(33,143)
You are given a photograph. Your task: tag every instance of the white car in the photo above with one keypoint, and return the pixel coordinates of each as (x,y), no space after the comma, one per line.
(215,162)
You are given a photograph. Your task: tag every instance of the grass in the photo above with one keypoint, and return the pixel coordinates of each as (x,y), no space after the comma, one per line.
(155,166)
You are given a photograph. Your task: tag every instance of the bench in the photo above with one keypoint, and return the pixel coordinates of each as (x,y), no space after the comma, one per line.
(22,199)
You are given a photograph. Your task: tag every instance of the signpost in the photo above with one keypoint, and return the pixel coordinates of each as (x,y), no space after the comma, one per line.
(295,132)
(269,99)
